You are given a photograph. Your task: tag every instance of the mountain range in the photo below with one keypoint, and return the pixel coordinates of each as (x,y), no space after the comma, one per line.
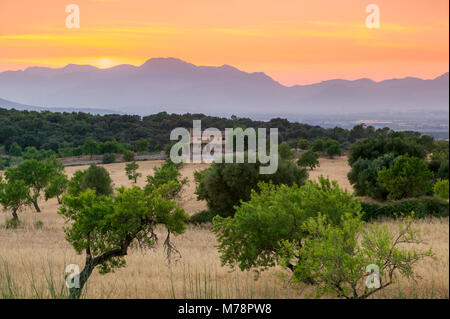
(173,85)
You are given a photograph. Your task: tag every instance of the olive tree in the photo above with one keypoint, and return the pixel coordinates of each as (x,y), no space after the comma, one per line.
(105,227)
(57,186)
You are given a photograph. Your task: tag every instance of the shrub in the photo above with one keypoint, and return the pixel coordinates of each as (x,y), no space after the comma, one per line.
(205,216)
(251,239)
(224,185)
(12,223)
(309,159)
(108,158)
(128,156)
(303,144)
(95,177)
(441,189)
(407,177)
(167,177)
(332,148)
(422,207)
(364,176)
(285,151)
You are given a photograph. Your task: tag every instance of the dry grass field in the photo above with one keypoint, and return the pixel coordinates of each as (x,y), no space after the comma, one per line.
(33,258)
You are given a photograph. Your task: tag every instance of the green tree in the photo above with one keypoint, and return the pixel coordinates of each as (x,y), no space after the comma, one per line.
(407,177)
(166,177)
(303,144)
(36,176)
(142,145)
(57,186)
(332,148)
(336,259)
(128,156)
(131,171)
(441,188)
(15,149)
(309,159)
(14,195)
(285,151)
(319,145)
(104,227)
(251,239)
(91,147)
(224,185)
(109,147)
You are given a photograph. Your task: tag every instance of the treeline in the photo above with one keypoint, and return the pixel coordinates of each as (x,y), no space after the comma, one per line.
(65,133)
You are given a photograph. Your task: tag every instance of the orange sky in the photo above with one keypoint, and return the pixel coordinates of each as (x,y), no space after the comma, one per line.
(293,41)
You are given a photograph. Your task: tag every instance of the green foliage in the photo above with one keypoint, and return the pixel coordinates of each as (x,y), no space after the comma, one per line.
(104,227)
(108,158)
(66,132)
(443,172)
(319,145)
(57,186)
(251,239)
(38,224)
(91,147)
(109,147)
(15,149)
(95,177)
(364,176)
(309,159)
(142,145)
(397,144)
(422,207)
(12,223)
(14,195)
(285,151)
(128,156)
(303,144)
(334,257)
(131,171)
(441,188)
(407,177)
(205,216)
(224,185)
(332,148)
(166,177)
(36,176)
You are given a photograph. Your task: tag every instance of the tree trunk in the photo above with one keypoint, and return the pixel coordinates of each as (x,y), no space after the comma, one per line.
(59,199)
(75,292)
(36,206)
(15,216)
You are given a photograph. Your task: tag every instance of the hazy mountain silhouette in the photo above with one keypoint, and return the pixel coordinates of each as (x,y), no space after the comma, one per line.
(172,85)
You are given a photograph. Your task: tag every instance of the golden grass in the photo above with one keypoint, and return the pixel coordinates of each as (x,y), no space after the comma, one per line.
(36,258)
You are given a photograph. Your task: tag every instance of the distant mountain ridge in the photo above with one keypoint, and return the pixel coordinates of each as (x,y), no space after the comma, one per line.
(173,85)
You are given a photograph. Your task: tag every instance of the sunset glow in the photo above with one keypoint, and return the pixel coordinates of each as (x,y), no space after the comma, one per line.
(295,42)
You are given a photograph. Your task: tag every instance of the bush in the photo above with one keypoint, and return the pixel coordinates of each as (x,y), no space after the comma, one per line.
(332,148)
(422,207)
(407,177)
(95,177)
(224,185)
(364,176)
(12,223)
(285,151)
(441,189)
(128,156)
(303,144)
(108,158)
(205,216)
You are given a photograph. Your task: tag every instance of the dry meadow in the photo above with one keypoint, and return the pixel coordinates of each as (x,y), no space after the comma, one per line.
(33,257)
